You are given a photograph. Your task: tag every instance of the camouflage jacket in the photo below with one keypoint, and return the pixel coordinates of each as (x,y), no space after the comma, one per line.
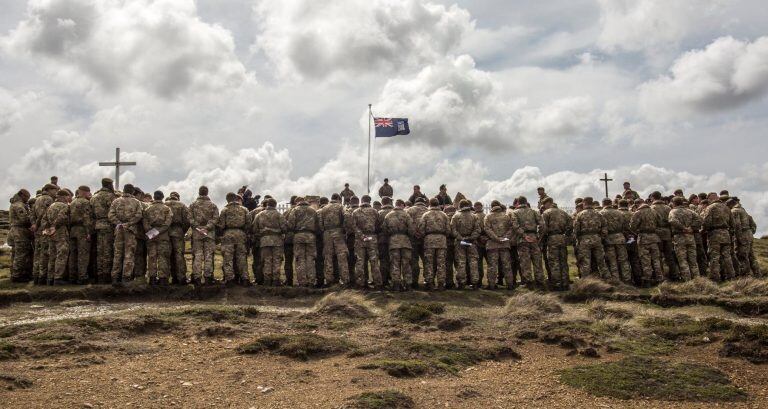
(57,217)
(158,216)
(483,239)
(399,226)
(38,210)
(466,226)
(100,204)
(434,227)
(663,210)
(740,219)
(80,217)
(386,191)
(588,222)
(203,215)
(331,218)
(233,222)
(416,211)
(349,225)
(645,223)
(128,212)
(684,220)
(181,218)
(365,222)
(385,210)
(346,194)
(302,221)
(615,224)
(529,221)
(270,226)
(20,221)
(717,216)
(556,221)
(498,226)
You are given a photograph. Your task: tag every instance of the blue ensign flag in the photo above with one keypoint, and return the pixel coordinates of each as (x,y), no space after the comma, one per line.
(387,127)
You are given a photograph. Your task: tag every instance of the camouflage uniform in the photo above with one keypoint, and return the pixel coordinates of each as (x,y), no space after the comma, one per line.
(349,240)
(718,221)
(203,218)
(366,224)
(754,265)
(528,248)
(557,226)
(632,250)
(616,244)
(21,238)
(233,222)
(434,227)
(255,248)
(42,241)
(481,243)
(384,265)
(288,250)
(683,222)
(742,233)
(589,228)
(140,257)
(56,221)
(500,228)
(105,233)
(270,226)
(399,227)
(125,214)
(179,227)
(417,243)
(450,251)
(302,221)
(645,223)
(331,223)
(160,217)
(80,230)
(665,235)
(386,191)
(346,195)
(514,256)
(465,227)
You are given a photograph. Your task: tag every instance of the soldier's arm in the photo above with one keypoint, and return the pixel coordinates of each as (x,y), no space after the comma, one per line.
(410,226)
(752,225)
(62,219)
(112,214)
(674,222)
(489,231)
(138,214)
(186,217)
(283,224)
(576,226)
(603,225)
(214,220)
(477,229)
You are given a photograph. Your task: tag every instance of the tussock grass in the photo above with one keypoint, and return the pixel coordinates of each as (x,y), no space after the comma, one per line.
(589,288)
(747,287)
(599,310)
(697,286)
(344,304)
(532,306)
(297,346)
(416,312)
(747,342)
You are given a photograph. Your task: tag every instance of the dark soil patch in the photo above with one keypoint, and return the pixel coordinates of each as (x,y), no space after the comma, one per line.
(219,331)
(387,399)
(747,342)
(15,381)
(452,324)
(418,312)
(299,346)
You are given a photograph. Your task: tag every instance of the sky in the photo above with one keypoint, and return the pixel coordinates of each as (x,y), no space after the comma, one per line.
(502,96)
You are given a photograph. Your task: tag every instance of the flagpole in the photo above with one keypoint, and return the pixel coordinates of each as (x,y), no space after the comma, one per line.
(370,115)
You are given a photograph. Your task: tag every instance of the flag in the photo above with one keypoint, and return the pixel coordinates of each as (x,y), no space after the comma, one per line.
(387,127)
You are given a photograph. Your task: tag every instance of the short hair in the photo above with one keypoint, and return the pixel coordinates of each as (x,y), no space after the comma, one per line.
(158,195)
(588,201)
(623,203)
(656,195)
(626,183)
(129,189)
(434,202)
(231,197)
(84,188)
(442,187)
(386,179)
(417,187)
(354,200)
(365,199)
(386,200)
(420,199)
(678,201)
(724,192)
(203,191)
(495,203)
(607,201)
(465,203)
(522,200)
(335,196)
(62,193)
(323,200)
(346,185)
(399,202)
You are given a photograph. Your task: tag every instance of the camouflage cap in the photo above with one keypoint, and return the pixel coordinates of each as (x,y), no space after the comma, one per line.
(678,201)
(420,199)
(62,193)
(50,186)
(106,181)
(84,188)
(547,200)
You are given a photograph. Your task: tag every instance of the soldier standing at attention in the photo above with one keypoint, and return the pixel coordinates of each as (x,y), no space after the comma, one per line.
(270,226)
(417,242)
(500,228)
(366,224)
(683,222)
(56,224)
(399,227)
(20,237)
(665,235)
(718,223)
(233,221)
(203,218)
(42,241)
(80,232)
(288,246)
(125,214)
(477,209)
(589,228)
(528,248)
(450,251)
(383,241)
(386,190)
(302,221)
(615,242)
(645,224)
(346,194)
(157,220)
(105,230)
(331,223)
(557,226)
(179,227)
(466,229)
(434,227)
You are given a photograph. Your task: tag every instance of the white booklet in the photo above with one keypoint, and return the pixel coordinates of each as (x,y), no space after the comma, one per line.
(152,234)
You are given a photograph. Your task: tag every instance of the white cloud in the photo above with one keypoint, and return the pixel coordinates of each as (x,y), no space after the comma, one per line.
(726,74)
(161,46)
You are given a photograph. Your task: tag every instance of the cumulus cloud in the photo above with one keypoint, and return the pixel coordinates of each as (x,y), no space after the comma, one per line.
(726,74)
(158,46)
(307,39)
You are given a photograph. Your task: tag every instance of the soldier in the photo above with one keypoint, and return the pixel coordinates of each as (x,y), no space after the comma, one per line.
(384,265)
(718,223)
(500,228)
(434,226)
(56,227)
(443,198)
(81,228)
(665,235)
(631,242)
(366,224)
(615,243)
(288,245)
(450,251)
(755,266)
(557,225)
(302,221)
(416,194)
(528,248)
(157,221)
(399,227)
(386,190)
(331,223)
(629,194)
(742,239)
(125,213)
(203,218)
(589,228)
(105,230)
(42,242)
(270,226)
(683,222)
(417,242)
(542,195)
(376,205)
(252,244)
(477,209)
(179,227)
(349,238)
(140,264)
(233,221)
(645,224)
(320,260)
(466,229)
(20,237)
(346,194)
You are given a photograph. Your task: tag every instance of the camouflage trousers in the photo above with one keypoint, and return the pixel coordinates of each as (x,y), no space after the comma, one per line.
(557,257)
(178,262)
(466,258)
(618,262)
(40,257)
(159,259)
(384,266)
(434,266)
(59,255)
(701,255)
(105,248)
(367,252)
(21,259)
(650,259)
(349,239)
(202,258)
(271,263)
(719,243)
(125,251)
(79,254)
(400,260)
(685,250)
(417,253)
(591,252)
(499,257)
(668,251)
(450,263)
(334,246)
(529,254)
(288,265)
(235,255)
(140,264)
(256,265)
(304,263)
(747,263)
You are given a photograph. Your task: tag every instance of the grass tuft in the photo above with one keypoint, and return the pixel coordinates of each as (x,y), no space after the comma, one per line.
(387,399)
(600,310)
(298,346)
(344,304)
(698,286)
(415,312)
(532,305)
(747,287)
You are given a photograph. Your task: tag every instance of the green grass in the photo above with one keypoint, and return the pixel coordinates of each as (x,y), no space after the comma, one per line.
(387,399)
(400,368)
(682,326)
(747,342)
(416,312)
(216,313)
(298,346)
(7,350)
(648,378)
(645,346)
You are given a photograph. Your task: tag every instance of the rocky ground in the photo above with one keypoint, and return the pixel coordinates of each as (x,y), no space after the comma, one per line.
(601,345)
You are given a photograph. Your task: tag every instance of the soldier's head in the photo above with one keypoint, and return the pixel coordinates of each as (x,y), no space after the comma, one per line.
(443,188)
(433,202)
(416,188)
(84,192)
(724,193)
(158,195)
(408,203)
(678,192)
(386,180)
(724,198)
(547,202)
(335,197)
(693,199)
(129,189)
(639,202)
(386,200)
(626,185)
(465,205)
(231,197)
(730,202)
(702,196)
(623,203)
(607,202)
(174,196)
(323,201)
(293,200)
(377,205)
(522,201)
(366,199)
(656,195)
(399,204)
(421,200)
(24,195)
(54,180)
(578,201)
(495,204)
(107,183)
(202,191)
(346,185)
(62,196)
(678,201)
(354,201)
(449,210)
(540,191)
(477,206)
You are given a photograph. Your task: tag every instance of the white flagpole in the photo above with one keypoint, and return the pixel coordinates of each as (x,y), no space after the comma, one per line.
(370,115)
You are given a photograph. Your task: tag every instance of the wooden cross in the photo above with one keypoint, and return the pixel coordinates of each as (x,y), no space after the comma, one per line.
(606,180)
(117,165)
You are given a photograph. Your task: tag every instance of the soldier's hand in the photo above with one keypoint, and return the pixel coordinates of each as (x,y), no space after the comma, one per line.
(87,237)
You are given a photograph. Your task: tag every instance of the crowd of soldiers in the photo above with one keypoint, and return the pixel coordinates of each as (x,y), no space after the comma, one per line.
(112,237)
